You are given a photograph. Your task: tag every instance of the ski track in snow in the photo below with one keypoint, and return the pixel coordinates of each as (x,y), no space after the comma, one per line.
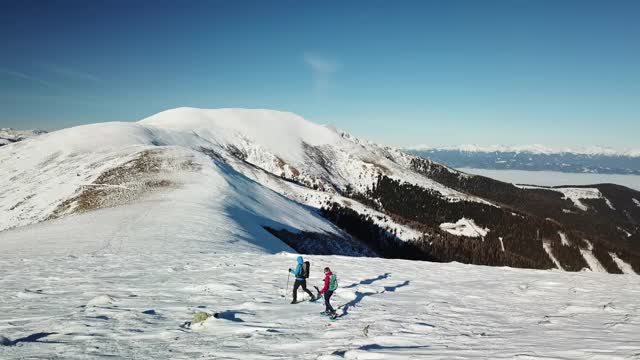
(547,248)
(591,260)
(623,266)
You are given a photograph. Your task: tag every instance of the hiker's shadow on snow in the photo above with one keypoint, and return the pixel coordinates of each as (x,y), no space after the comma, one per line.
(231,315)
(369,281)
(378,347)
(373,347)
(360,296)
(33,338)
(394,288)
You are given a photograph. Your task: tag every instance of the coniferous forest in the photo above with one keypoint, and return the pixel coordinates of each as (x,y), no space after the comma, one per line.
(522,230)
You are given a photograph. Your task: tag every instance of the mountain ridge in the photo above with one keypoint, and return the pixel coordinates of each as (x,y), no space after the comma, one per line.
(364,199)
(535,159)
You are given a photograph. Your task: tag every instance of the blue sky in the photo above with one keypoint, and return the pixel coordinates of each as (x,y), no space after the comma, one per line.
(559,73)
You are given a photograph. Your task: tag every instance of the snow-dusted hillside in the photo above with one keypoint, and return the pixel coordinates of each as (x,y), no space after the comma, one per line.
(188,191)
(47,176)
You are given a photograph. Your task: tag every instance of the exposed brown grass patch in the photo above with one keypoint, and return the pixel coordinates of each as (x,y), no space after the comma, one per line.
(385,170)
(149,171)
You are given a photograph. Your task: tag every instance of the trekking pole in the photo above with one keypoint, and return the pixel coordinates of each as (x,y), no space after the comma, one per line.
(287,289)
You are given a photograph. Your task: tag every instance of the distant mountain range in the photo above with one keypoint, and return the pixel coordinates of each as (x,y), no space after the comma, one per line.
(597,160)
(8,136)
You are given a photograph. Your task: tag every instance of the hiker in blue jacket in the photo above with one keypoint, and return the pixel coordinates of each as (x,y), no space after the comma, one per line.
(301,280)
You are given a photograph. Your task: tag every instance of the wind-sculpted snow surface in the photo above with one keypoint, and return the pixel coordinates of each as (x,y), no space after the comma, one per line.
(132,305)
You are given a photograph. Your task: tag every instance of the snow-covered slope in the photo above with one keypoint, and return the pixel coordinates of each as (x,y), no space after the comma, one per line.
(575,194)
(203,208)
(288,145)
(591,260)
(91,304)
(464,227)
(185,193)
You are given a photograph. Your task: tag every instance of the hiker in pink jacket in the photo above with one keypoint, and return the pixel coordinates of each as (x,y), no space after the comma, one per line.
(330,285)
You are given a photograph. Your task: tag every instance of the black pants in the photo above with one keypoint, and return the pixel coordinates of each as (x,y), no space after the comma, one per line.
(327,301)
(298,284)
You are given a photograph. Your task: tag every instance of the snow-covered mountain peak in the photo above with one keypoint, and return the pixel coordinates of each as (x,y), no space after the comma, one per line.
(84,168)
(289,146)
(283,133)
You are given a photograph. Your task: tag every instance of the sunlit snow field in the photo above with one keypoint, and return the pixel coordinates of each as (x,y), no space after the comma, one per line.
(82,296)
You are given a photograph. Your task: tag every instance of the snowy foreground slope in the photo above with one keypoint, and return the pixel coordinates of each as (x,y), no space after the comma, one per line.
(74,298)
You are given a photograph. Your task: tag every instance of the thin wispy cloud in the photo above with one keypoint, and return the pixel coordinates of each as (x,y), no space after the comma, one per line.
(30,78)
(70,73)
(58,98)
(321,70)
(56,92)
(319,64)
